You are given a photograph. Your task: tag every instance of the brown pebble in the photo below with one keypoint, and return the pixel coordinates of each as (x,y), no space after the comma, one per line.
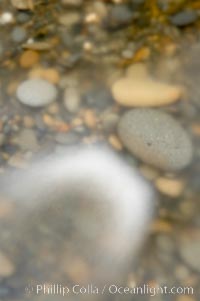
(6,266)
(49,74)
(115,142)
(89,118)
(171,187)
(28,59)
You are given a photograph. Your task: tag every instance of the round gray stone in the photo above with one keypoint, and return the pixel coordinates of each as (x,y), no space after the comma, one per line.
(184,18)
(36,92)
(156,138)
(18,34)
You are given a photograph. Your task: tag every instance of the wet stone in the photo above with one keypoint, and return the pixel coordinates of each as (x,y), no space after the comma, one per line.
(184,18)
(18,34)
(156,138)
(67,138)
(36,92)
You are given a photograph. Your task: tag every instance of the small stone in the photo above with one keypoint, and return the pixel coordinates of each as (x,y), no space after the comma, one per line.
(49,74)
(23,17)
(36,92)
(90,118)
(184,18)
(69,19)
(28,59)
(171,187)
(156,138)
(119,15)
(69,138)
(189,250)
(23,4)
(26,140)
(115,142)
(144,92)
(7,268)
(72,99)
(18,34)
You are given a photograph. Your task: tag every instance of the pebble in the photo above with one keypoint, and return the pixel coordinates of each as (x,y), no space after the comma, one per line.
(72,99)
(49,74)
(26,140)
(189,251)
(156,138)
(119,15)
(36,92)
(115,142)
(18,34)
(23,4)
(69,138)
(184,18)
(7,267)
(171,187)
(29,58)
(90,118)
(144,92)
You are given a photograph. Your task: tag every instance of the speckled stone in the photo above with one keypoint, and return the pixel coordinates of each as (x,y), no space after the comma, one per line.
(156,138)
(36,92)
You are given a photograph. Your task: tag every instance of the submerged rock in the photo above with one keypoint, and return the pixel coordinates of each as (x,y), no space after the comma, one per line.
(156,138)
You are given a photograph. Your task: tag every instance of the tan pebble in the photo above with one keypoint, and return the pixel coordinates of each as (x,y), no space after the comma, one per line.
(115,142)
(23,4)
(170,187)
(138,70)
(144,93)
(28,122)
(38,46)
(28,59)
(142,54)
(89,118)
(6,266)
(161,226)
(149,172)
(49,74)
(55,124)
